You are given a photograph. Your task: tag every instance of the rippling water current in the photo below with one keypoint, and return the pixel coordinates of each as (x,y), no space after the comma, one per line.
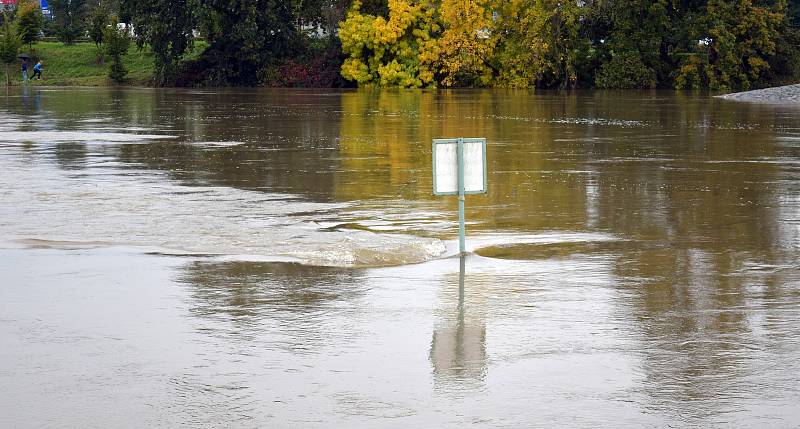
(276,259)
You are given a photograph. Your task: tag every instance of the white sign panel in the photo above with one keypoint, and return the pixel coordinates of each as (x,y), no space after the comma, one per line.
(445,166)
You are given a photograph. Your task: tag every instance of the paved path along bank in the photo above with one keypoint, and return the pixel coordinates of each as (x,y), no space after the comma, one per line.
(779,94)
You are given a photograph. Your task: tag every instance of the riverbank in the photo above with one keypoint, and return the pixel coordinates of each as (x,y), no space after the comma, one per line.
(79,65)
(778,94)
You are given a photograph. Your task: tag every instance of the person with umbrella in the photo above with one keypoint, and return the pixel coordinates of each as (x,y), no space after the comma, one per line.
(24,58)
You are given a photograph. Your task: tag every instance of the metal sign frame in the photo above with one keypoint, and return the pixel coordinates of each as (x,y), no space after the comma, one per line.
(482,141)
(459,142)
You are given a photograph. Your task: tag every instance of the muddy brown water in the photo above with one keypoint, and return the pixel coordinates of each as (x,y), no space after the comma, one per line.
(275,258)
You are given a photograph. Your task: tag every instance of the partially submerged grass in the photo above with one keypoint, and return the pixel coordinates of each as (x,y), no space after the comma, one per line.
(78,65)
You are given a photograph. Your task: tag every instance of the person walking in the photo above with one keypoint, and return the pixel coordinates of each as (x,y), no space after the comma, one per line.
(24,70)
(37,71)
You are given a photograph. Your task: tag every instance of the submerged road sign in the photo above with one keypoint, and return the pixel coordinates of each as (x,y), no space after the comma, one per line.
(459,168)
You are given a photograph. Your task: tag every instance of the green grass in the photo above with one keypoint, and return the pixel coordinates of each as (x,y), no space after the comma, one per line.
(77,65)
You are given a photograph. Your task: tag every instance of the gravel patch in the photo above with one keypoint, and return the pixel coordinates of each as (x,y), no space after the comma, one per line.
(779,94)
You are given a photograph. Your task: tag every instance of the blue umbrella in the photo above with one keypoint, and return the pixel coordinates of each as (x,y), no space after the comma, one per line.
(45,8)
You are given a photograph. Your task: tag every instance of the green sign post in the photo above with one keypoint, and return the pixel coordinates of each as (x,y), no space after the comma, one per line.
(459,168)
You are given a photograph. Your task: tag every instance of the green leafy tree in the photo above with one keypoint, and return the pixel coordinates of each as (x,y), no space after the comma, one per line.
(166,26)
(625,70)
(738,46)
(99,19)
(636,34)
(125,10)
(243,36)
(70,16)
(744,35)
(785,64)
(246,36)
(537,43)
(566,42)
(117,41)
(29,22)
(10,43)
(793,10)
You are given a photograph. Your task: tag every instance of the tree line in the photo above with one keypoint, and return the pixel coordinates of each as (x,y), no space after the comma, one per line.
(717,44)
(685,44)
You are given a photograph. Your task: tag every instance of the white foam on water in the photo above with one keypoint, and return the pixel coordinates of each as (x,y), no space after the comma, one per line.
(122,129)
(216,144)
(552,237)
(77,136)
(366,249)
(60,209)
(476,242)
(623,123)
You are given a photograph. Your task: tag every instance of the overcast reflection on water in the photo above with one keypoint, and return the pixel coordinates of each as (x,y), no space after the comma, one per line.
(275,258)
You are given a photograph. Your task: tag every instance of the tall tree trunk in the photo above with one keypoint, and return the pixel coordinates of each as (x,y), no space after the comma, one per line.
(8,78)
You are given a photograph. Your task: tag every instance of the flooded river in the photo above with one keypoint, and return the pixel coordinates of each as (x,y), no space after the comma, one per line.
(276,258)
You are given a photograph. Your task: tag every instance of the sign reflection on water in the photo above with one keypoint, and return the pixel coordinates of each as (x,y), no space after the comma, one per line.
(458,347)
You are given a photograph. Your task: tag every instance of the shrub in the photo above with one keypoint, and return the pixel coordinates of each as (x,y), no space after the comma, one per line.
(625,71)
(319,69)
(116,41)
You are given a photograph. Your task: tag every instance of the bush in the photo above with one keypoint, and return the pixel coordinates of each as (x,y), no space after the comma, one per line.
(117,72)
(317,70)
(625,71)
(692,74)
(116,41)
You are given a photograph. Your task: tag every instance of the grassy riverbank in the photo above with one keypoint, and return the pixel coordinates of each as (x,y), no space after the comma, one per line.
(78,65)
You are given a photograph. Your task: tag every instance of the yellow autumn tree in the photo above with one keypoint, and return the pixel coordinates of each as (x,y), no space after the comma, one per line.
(467,43)
(398,51)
